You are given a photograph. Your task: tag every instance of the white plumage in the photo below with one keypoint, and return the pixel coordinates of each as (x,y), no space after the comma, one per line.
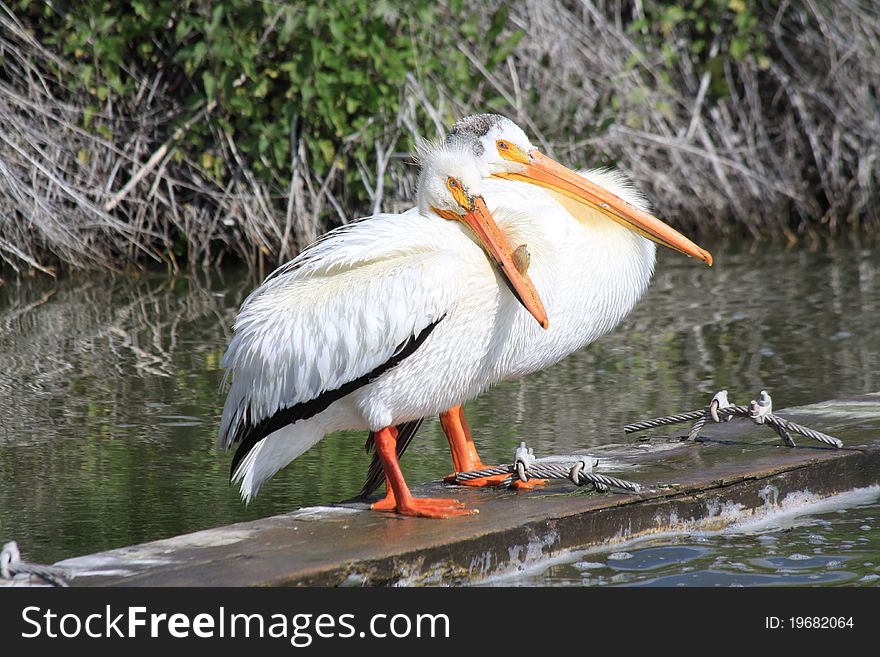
(343,313)
(344,307)
(590,259)
(340,310)
(399,317)
(590,272)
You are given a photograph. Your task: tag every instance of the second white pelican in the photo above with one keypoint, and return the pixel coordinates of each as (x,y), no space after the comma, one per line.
(381,322)
(591,242)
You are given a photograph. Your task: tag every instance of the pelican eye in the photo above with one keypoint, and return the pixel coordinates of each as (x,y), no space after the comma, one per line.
(459,193)
(510,152)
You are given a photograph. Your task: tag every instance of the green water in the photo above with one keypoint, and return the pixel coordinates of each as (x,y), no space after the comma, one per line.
(822,545)
(110,388)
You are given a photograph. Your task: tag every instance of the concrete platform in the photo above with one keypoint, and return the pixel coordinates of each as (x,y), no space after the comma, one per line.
(737,471)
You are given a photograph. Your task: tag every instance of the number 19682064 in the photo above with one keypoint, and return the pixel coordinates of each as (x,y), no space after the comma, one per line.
(808,622)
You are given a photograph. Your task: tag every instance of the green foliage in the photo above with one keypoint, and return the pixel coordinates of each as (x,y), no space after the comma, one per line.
(331,69)
(697,25)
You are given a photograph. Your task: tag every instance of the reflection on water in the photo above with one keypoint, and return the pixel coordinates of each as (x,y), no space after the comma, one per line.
(834,547)
(110,401)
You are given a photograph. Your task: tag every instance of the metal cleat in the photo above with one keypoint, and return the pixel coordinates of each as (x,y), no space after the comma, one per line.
(584,465)
(524,459)
(720,402)
(761,409)
(722,410)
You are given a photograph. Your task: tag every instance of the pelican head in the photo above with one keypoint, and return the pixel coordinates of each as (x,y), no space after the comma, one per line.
(449,188)
(503,150)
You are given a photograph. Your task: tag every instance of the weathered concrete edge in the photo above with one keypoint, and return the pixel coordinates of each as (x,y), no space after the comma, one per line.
(690,507)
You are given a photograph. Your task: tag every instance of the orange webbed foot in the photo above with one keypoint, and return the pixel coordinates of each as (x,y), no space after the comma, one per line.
(423,507)
(387,503)
(434,507)
(527,485)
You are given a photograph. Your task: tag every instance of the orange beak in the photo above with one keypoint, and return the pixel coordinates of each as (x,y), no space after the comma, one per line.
(546,172)
(480,221)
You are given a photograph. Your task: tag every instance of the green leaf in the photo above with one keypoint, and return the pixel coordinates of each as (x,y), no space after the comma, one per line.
(337,30)
(216,19)
(210,83)
(498,22)
(85,73)
(199,51)
(88,113)
(142,9)
(739,48)
(327,150)
(280,149)
(504,50)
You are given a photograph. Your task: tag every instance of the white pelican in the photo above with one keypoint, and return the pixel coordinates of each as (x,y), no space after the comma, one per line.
(590,238)
(380,323)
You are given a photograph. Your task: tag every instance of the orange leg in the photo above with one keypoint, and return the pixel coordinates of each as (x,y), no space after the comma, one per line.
(404,503)
(461,443)
(464,452)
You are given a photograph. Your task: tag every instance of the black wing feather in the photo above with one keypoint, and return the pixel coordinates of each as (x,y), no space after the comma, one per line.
(248,433)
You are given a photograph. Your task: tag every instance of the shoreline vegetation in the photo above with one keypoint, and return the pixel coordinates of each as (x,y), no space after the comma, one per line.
(191,133)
